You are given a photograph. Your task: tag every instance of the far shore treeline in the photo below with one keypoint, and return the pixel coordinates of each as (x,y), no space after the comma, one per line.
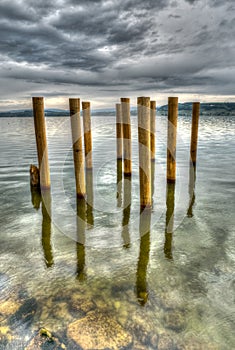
(218,109)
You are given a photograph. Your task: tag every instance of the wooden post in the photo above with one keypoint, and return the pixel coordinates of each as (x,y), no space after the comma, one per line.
(152,141)
(171,139)
(119,139)
(144,151)
(152,128)
(86,113)
(119,130)
(41,140)
(194,131)
(74,104)
(125,111)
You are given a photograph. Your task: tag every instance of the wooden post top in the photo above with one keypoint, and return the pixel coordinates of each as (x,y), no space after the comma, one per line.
(74,104)
(196,104)
(173,100)
(86,104)
(143,101)
(125,99)
(38,100)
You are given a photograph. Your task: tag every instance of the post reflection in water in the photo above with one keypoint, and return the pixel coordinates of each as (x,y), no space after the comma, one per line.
(141,274)
(192,180)
(126,211)
(119,183)
(170,205)
(45,198)
(80,245)
(90,198)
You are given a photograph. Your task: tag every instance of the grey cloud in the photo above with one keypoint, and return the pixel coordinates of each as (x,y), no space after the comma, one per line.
(174,16)
(155,44)
(15,12)
(192,1)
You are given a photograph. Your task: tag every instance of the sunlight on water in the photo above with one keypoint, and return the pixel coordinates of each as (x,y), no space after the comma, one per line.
(160,280)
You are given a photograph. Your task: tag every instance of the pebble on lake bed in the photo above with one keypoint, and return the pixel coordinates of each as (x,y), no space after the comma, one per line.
(8,308)
(99,331)
(45,340)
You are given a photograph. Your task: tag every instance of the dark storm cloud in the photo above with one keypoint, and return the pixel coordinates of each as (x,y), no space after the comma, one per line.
(15,12)
(191,1)
(155,44)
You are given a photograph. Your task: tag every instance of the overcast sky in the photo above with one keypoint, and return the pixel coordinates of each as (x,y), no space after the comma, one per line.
(104,50)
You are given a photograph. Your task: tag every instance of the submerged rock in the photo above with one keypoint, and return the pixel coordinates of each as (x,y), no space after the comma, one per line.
(80,305)
(5,336)
(25,314)
(165,342)
(175,320)
(197,344)
(99,331)
(8,308)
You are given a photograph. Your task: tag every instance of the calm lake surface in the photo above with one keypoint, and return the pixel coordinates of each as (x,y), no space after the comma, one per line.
(110,277)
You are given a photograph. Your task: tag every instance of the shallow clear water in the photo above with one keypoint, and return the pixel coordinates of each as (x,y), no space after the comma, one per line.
(167,290)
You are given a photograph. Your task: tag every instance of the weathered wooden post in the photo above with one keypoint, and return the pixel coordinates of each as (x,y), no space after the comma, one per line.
(152,128)
(86,113)
(144,151)
(125,112)
(119,145)
(41,141)
(74,105)
(171,138)
(119,130)
(152,140)
(194,131)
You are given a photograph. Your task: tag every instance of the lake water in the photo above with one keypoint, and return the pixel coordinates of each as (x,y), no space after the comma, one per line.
(111,278)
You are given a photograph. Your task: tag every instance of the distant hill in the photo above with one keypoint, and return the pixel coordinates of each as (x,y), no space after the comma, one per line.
(205,109)
(29,113)
(222,109)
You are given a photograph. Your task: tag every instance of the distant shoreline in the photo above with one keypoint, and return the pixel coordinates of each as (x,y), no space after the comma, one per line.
(223,109)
